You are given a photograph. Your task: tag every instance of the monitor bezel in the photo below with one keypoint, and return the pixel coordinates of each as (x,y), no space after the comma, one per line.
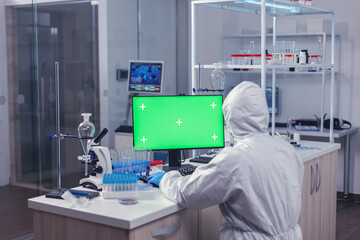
(167,149)
(161,80)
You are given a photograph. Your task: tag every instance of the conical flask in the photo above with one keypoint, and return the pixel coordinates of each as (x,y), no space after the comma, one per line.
(86,129)
(217,78)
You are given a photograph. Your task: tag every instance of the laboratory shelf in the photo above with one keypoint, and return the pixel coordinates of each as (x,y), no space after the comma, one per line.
(281,35)
(273,7)
(279,72)
(268,66)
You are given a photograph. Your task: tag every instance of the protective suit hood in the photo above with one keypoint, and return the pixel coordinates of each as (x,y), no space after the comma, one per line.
(246,111)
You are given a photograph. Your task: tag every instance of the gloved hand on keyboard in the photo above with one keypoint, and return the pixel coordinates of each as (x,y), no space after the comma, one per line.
(155,178)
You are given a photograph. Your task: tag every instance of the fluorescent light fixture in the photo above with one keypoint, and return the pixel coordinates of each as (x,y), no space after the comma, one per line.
(292,9)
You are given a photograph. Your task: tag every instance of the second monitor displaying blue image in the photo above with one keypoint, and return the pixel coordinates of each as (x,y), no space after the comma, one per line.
(145,76)
(269,99)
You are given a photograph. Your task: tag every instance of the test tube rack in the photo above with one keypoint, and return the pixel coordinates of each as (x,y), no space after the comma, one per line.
(139,167)
(120,185)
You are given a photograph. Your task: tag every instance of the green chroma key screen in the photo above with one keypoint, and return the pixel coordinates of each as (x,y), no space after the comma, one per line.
(178,122)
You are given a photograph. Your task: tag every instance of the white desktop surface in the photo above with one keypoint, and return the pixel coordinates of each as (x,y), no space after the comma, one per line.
(110,212)
(149,208)
(322,149)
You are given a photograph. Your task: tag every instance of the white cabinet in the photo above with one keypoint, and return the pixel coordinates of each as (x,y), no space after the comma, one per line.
(318,198)
(318,203)
(177,226)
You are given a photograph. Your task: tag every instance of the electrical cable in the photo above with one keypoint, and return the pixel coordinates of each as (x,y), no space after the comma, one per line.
(165,157)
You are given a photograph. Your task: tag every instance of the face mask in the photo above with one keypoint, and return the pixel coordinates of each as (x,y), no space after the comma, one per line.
(338,123)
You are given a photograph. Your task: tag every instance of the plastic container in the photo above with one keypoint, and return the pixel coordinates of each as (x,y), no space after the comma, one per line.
(241,59)
(288,59)
(302,58)
(313,59)
(246,59)
(156,166)
(317,59)
(267,58)
(255,59)
(73,201)
(236,59)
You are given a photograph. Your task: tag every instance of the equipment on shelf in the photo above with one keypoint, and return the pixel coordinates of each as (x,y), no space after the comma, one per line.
(217,78)
(338,124)
(207,90)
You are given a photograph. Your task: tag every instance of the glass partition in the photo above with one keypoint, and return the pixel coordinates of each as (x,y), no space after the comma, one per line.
(38,35)
(91,55)
(93,42)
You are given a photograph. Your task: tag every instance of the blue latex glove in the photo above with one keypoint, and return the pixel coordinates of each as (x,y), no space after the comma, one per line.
(155,178)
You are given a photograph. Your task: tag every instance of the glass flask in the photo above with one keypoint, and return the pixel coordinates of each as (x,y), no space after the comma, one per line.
(86,131)
(217,78)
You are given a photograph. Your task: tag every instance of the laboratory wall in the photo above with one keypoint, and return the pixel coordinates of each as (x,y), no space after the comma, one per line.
(4,109)
(133,30)
(117,45)
(348,27)
(300,94)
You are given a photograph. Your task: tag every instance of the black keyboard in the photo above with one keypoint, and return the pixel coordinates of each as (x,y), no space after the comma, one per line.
(77,193)
(187,170)
(201,159)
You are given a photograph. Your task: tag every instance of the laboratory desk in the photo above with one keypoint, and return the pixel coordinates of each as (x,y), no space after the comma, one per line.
(346,134)
(157,217)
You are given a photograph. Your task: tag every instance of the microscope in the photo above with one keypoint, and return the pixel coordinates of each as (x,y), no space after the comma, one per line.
(98,156)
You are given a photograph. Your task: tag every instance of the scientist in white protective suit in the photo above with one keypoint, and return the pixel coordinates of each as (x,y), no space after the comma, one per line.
(257,183)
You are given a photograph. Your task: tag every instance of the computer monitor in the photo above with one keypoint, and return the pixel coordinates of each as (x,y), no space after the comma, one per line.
(178,122)
(269,99)
(145,76)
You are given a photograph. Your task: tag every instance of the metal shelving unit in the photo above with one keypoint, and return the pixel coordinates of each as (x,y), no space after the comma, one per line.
(267,66)
(275,9)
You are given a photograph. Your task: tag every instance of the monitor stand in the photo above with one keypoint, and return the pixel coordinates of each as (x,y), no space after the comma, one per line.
(175,161)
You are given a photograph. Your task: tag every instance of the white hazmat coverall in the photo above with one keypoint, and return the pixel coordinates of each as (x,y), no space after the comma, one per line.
(257,183)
